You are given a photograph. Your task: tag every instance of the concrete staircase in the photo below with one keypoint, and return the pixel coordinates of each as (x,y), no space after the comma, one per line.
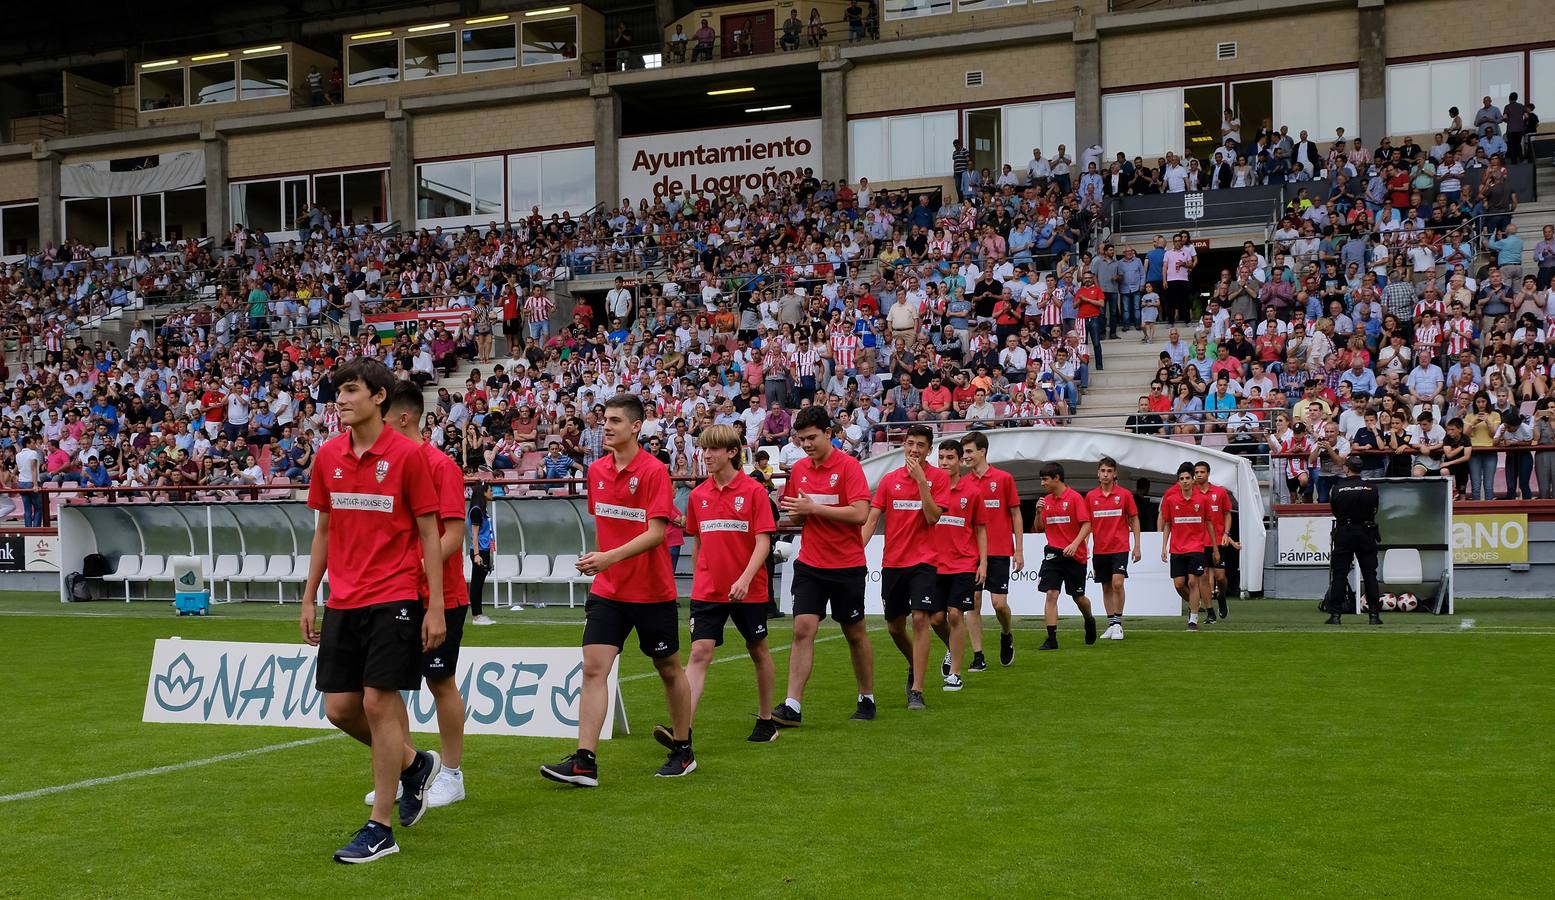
(1115,391)
(1532,216)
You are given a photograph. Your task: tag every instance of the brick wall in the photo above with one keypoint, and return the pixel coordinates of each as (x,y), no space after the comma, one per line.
(1033,69)
(102,153)
(1419,27)
(334,146)
(1264,44)
(925,26)
(492,129)
(18,180)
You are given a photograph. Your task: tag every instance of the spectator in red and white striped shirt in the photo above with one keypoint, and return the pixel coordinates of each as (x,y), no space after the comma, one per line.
(538,307)
(805,363)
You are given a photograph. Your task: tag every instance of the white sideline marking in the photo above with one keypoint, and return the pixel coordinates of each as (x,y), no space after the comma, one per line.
(288,745)
(159,770)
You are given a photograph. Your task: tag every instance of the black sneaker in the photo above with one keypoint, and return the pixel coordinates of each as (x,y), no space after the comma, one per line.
(681,762)
(915,700)
(1050,644)
(422,772)
(765,732)
(1090,629)
(944,666)
(909,683)
(1373,618)
(979,664)
(1006,649)
(786,716)
(664,736)
(573,770)
(1223,607)
(1193,626)
(865,711)
(372,842)
(1209,617)
(1333,619)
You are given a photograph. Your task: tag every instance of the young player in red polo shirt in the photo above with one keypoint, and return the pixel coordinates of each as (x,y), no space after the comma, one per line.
(439,666)
(1066,521)
(910,500)
(731,518)
(1220,503)
(1187,530)
(376,534)
(1114,540)
(1005,525)
(630,497)
(962,561)
(827,493)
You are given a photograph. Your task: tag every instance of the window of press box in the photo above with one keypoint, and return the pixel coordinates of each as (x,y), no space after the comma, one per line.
(430,55)
(161,89)
(374,63)
(213,83)
(554,40)
(352,198)
(912,9)
(265,77)
(459,188)
(484,49)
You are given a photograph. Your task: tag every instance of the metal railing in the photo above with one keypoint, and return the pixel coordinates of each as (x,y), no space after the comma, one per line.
(669,52)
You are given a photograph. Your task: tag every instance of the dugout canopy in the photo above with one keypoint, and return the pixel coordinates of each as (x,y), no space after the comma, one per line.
(1023,451)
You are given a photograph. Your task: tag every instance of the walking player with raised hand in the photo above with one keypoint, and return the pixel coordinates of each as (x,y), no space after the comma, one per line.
(1006,527)
(1114,541)
(1066,521)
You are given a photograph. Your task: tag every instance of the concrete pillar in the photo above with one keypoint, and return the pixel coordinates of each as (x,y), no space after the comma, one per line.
(218,198)
(51,213)
(664,15)
(1087,88)
(607,137)
(834,115)
(1373,75)
(402,171)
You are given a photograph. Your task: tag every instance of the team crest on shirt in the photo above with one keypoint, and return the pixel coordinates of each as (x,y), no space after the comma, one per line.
(963,502)
(339,473)
(601,485)
(381,471)
(632,485)
(739,504)
(834,479)
(992,487)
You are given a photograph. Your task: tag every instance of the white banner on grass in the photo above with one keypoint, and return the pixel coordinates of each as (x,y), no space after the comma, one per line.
(1148,590)
(529,691)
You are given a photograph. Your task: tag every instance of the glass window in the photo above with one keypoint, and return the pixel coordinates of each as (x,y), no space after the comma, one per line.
(976,5)
(487,200)
(523,184)
(912,9)
(265,77)
(18,229)
(866,150)
(184,211)
(161,89)
(362,198)
(555,180)
(257,204)
(151,215)
(485,49)
(443,190)
(430,55)
(553,40)
(326,193)
(213,83)
(86,219)
(374,63)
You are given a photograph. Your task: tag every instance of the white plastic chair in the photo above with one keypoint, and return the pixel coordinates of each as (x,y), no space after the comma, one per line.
(279,567)
(224,568)
(535,568)
(152,568)
(252,569)
(565,571)
(504,569)
(1402,565)
(127,569)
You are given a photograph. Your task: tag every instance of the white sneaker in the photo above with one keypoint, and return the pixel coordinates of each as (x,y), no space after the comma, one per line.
(446,789)
(483,619)
(1118,634)
(399,791)
(1111,634)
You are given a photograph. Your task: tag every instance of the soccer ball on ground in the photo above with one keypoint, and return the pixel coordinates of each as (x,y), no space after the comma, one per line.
(1389,601)
(1407,602)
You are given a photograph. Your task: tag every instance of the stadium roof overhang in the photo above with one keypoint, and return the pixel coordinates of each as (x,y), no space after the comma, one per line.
(1023,451)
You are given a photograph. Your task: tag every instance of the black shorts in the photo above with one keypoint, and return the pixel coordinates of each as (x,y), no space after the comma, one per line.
(956,590)
(609,621)
(1061,573)
(998,578)
(1217,561)
(1188,564)
(842,588)
(1106,565)
(443,661)
(707,621)
(376,646)
(907,588)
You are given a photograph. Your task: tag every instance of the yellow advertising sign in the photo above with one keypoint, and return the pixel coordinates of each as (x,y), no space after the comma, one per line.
(1489,540)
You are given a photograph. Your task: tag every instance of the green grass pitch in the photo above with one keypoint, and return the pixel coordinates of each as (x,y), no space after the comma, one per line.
(1268,756)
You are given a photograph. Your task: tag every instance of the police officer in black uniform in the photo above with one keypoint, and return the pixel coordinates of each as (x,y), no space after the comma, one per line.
(1354,504)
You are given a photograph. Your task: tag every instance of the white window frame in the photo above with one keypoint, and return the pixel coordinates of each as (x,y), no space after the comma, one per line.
(287,63)
(513,29)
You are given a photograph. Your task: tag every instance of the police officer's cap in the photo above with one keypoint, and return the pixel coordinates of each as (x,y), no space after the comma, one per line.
(1354,464)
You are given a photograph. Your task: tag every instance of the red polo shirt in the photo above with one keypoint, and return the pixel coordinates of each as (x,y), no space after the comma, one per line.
(449,483)
(1187,517)
(1088,302)
(956,530)
(909,538)
(838,480)
(1219,503)
(996,487)
(725,522)
(1062,517)
(622,502)
(372,501)
(936,399)
(1110,514)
